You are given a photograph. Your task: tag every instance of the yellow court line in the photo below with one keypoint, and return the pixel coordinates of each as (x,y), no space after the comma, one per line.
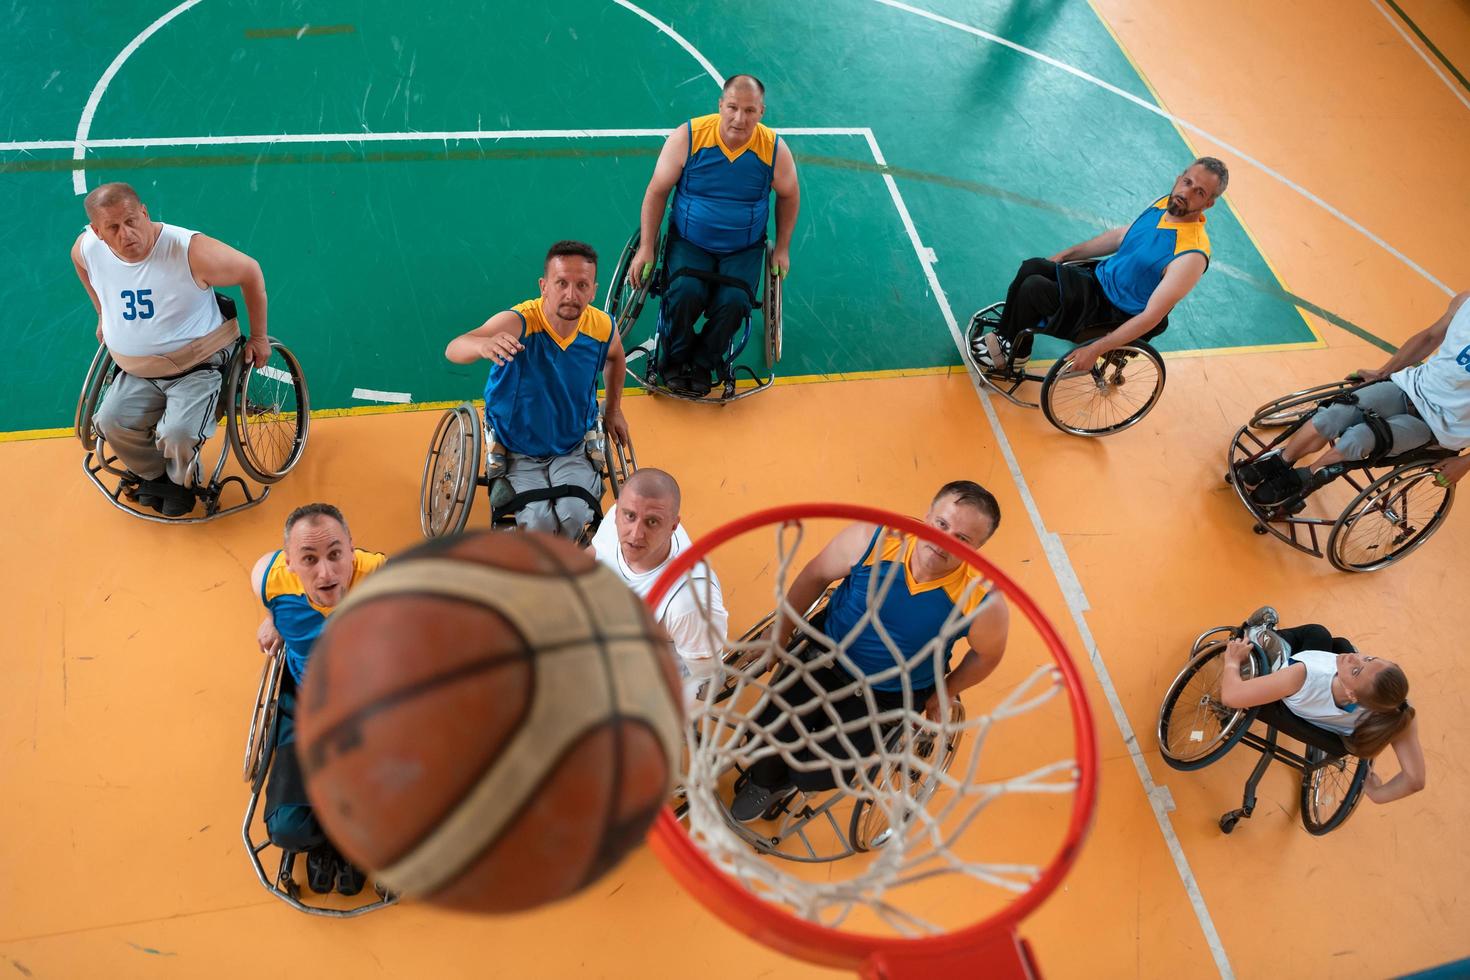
(1270,266)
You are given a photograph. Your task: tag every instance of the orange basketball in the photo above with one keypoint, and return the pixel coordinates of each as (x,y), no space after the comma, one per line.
(491,722)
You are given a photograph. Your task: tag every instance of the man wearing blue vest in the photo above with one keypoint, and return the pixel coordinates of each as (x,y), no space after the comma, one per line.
(724,167)
(1152,264)
(541,396)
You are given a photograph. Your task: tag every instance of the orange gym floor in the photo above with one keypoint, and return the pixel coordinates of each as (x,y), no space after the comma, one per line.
(131,664)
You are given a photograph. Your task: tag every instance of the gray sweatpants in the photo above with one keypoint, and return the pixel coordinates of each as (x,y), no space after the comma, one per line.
(158,425)
(1355,440)
(565,516)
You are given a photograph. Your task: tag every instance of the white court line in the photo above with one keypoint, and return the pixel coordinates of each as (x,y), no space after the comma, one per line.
(1056,555)
(84,124)
(444,136)
(371,395)
(1433,66)
(678,39)
(1176,120)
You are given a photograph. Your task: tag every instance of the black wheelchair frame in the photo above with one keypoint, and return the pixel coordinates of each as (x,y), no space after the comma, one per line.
(455,469)
(1332,779)
(246,417)
(1069,397)
(1396,503)
(624,303)
(260,746)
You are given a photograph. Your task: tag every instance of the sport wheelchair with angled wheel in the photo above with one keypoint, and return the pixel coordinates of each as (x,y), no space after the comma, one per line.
(260,749)
(1374,513)
(1109,396)
(266,411)
(625,303)
(1196,728)
(457,465)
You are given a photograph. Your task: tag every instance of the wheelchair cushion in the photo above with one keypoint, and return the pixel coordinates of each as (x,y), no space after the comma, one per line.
(1281,718)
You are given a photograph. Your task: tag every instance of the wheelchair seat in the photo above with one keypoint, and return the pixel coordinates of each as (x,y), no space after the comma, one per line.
(267,416)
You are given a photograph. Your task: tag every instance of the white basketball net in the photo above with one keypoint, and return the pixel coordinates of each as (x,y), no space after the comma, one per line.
(915,804)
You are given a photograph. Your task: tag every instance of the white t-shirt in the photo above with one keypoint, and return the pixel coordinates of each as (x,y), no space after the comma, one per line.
(152,306)
(1440,387)
(1314,701)
(698,639)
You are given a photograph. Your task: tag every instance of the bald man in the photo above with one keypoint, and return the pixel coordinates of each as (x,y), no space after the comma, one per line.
(152,285)
(637,539)
(725,166)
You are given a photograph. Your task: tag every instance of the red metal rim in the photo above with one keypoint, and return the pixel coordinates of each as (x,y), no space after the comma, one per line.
(782,930)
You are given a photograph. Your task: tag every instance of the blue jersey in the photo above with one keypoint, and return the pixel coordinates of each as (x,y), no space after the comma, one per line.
(545,399)
(297,618)
(724,196)
(1130,276)
(913,613)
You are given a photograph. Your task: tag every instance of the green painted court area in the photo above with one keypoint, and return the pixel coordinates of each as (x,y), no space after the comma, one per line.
(377,250)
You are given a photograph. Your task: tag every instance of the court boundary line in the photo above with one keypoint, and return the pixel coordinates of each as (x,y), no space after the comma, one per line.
(1159,799)
(1420,51)
(1177,121)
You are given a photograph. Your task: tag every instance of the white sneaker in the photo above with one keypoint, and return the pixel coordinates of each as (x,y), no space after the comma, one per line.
(991,353)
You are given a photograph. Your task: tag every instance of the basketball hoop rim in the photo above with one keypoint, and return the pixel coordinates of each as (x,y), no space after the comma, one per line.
(797,937)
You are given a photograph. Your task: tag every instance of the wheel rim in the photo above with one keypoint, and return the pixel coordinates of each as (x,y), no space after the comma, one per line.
(449,478)
(1286,410)
(1196,721)
(1329,788)
(1389,519)
(1113,395)
(270,420)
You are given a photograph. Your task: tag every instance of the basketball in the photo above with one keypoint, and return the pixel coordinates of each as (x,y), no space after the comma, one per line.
(491,722)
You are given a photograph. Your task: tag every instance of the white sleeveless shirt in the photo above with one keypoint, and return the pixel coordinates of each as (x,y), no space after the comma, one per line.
(1314,702)
(1440,387)
(153,306)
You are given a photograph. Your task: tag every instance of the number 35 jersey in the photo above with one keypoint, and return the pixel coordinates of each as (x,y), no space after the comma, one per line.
(154,306)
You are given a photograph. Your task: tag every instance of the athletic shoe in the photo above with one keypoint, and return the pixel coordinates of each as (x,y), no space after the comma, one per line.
(142,495)
(1269,467)
(992,353)
(754,800)
(179,503)
(321,869)
(1265,616)
(349,879)
(1295,485)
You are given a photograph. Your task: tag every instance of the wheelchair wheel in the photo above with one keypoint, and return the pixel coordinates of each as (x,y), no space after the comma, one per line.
(771,311)
(1392,516)
(269,413)
(451,472)
(1195,727)
(1118,391)
(624,302)
(94,389)
(1297,405)
(1330,793)
(933,752)
(261,738)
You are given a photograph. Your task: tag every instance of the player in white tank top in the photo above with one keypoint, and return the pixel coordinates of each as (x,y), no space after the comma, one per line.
(152,286)
(1338,692)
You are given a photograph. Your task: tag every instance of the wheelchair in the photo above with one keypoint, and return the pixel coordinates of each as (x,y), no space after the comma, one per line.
(624,303)
(820,826)
(260,746)
(1112,395)
(455,467)
(267,416)
(1390,505)
(1197,729)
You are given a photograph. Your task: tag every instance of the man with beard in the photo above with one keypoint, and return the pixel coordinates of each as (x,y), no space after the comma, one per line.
(541,396)
(1152,264)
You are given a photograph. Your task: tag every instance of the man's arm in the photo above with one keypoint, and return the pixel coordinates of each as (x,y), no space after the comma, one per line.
(612,379)
(830,564)
(215,264)
(1105,244)
(788,203)
(987,638)
(1179,278)
(666,174)
(1411,777)
(76,260)
(1419,346)
(265,634)
(498,339)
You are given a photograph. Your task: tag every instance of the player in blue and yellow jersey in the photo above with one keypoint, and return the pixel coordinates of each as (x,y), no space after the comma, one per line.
(300,585)
(541,396)
(1152,264)
(931,587)
(721,169)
